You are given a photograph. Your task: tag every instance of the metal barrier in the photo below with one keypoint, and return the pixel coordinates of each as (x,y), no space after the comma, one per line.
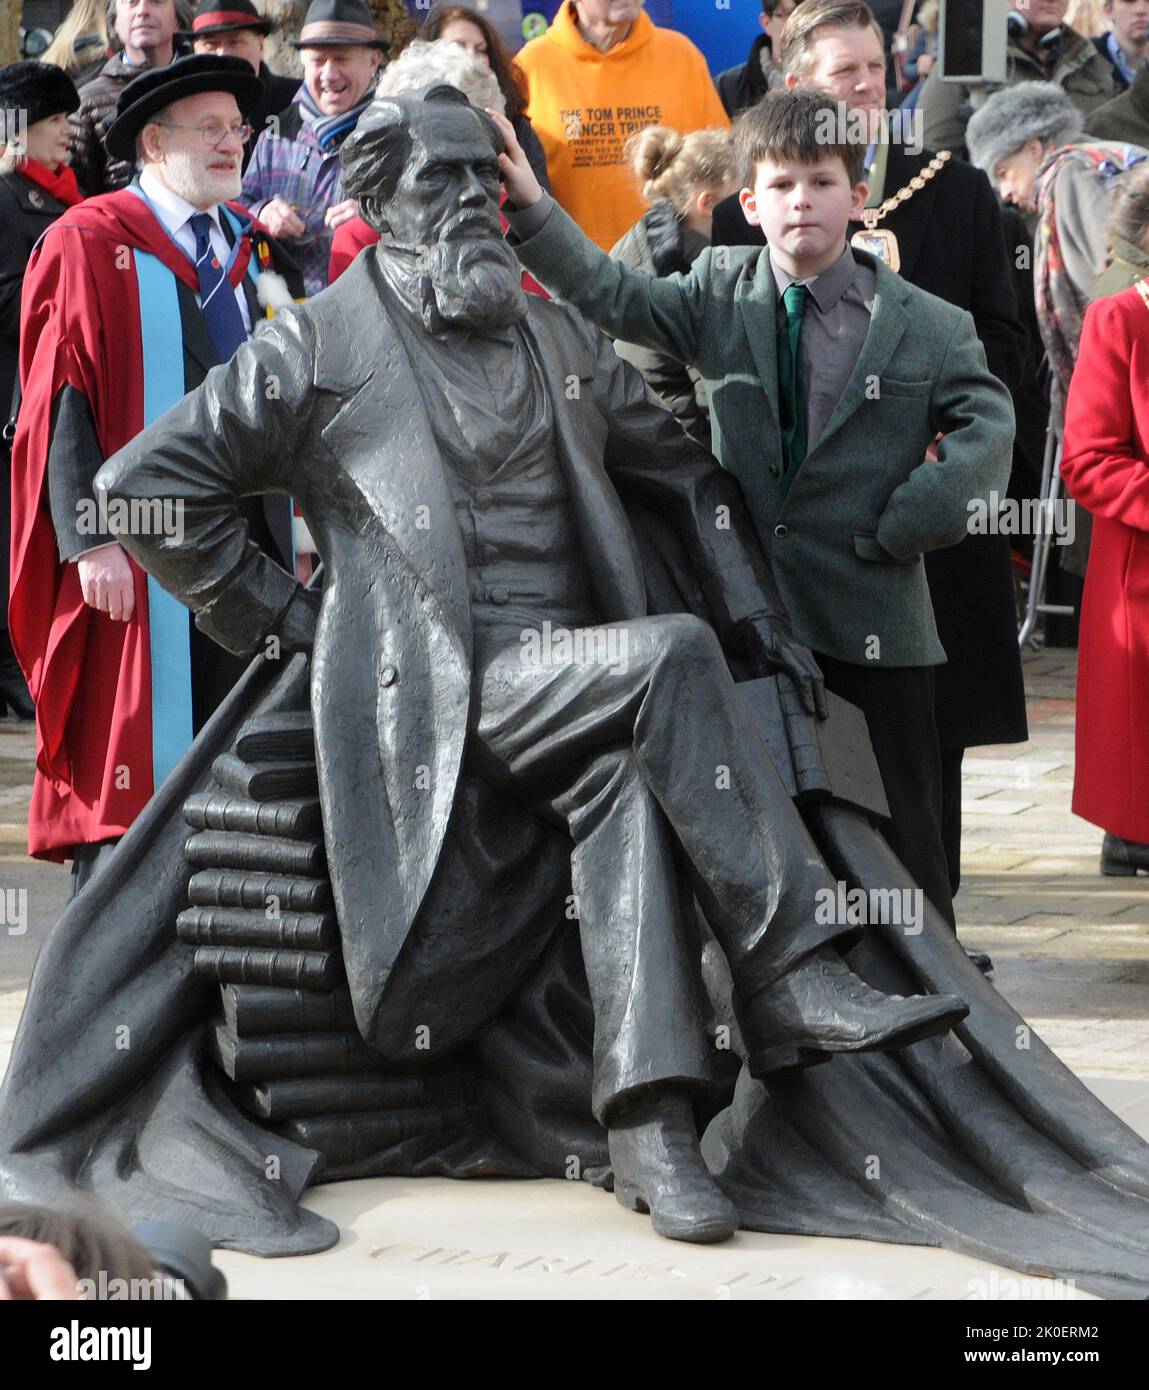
(1035,605)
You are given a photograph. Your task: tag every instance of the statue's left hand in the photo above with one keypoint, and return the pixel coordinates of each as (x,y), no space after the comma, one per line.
(774,650)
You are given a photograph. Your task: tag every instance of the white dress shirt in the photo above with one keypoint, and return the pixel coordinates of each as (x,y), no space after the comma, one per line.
(176,214)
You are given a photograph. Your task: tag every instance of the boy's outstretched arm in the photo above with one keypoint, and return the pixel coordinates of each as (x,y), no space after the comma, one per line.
(973,412)
(666,314)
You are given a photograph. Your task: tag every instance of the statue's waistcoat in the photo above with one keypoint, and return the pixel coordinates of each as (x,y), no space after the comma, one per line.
(511,497)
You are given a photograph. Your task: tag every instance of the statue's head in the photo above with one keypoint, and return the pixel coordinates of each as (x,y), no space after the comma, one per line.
(425,170)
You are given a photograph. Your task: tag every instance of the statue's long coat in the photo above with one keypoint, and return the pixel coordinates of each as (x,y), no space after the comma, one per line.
(325,405)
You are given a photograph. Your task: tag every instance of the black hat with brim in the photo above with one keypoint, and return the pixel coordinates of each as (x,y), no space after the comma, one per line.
(226,17)
(147,95)
(339,24)
(32,92)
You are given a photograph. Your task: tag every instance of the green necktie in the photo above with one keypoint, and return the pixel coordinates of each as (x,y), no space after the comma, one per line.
(792,384)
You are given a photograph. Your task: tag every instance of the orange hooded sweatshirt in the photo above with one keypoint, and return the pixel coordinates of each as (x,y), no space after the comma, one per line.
(584,104)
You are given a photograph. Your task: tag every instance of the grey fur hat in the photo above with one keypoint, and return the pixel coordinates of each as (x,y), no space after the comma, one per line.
(1027,111)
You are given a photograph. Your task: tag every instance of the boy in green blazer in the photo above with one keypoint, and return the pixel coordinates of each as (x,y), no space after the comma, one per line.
(830,377)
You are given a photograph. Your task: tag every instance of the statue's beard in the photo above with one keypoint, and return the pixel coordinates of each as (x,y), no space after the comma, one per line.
(468,278)
(472,282)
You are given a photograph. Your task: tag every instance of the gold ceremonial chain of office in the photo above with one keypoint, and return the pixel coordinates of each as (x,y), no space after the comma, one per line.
(872,216)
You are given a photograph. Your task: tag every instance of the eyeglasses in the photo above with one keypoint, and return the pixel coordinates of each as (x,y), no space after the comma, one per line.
(213,135)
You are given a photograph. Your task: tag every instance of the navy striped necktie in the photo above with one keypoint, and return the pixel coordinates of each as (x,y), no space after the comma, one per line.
(217,298)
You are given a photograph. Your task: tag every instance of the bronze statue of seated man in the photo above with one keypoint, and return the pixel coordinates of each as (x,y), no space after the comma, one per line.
(466,456)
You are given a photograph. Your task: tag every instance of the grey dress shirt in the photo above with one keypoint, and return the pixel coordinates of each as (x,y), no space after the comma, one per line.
(834,327)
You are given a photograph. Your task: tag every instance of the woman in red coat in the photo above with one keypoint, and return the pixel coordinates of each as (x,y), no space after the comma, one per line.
(1106,468)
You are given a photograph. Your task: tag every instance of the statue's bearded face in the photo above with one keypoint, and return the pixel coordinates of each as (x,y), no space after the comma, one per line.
(445,209)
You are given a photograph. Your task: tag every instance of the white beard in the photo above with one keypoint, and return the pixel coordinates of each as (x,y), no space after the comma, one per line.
(186,176)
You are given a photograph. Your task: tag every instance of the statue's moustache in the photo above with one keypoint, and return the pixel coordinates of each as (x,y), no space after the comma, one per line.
(471,226)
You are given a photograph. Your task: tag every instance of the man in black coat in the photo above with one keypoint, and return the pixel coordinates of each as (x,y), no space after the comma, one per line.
(947,237)
(238,29)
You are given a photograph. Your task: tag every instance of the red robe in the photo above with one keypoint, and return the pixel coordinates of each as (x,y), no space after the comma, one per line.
(90,677)
(1105,465)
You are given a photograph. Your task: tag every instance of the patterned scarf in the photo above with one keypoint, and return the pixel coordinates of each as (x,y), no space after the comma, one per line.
(331,131)
(1061,306)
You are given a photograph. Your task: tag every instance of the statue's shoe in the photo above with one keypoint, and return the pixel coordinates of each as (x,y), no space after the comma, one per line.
(658,1168)
(821,1007)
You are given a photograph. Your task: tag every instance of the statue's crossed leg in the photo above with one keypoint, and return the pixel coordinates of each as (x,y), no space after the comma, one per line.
(637,744)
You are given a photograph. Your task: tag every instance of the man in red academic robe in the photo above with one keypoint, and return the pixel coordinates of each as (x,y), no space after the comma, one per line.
(129,300)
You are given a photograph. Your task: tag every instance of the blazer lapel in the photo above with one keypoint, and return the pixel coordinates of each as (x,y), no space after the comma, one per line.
(758,309)
(888,325)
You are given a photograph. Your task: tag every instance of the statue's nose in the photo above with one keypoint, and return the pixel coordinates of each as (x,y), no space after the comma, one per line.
(472,190)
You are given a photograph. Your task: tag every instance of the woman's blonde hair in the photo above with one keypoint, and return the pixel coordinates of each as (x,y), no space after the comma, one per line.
(1087,17)
(676,168)
(85,17)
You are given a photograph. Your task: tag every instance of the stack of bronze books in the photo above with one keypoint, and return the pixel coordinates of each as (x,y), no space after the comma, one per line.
(262,924)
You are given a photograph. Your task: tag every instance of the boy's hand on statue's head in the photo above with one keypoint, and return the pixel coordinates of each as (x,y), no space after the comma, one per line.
(107,582)
(775,651)
(523,189)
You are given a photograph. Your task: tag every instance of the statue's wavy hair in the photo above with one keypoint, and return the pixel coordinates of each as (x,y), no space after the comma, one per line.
(375,154)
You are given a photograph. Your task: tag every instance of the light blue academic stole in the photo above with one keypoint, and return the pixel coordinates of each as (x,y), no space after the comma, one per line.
(169,637)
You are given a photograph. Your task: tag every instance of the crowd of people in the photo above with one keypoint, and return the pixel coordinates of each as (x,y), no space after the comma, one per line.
(162,190)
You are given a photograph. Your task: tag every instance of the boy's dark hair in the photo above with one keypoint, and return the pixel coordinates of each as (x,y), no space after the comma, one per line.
(803,125)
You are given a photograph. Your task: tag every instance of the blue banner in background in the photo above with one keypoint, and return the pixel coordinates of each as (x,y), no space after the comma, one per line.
(722,29)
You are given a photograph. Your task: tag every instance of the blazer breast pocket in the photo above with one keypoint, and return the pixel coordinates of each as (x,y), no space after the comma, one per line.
(892,386)
(868,548)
